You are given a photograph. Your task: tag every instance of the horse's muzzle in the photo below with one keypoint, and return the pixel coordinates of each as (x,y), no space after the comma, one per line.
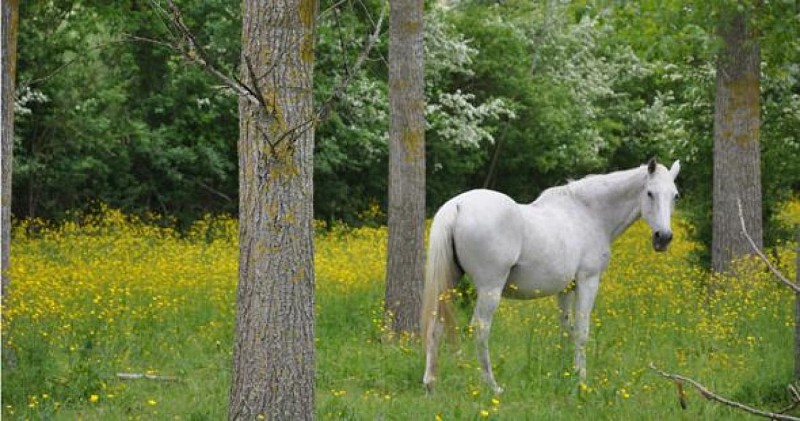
(661,240)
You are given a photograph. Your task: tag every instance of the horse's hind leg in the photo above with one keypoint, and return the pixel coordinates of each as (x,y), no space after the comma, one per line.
(482,323)
(433,335)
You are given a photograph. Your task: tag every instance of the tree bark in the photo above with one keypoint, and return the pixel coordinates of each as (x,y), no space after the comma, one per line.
(10,25)
(737,158)
(797,309)
(405,265)
(273,356)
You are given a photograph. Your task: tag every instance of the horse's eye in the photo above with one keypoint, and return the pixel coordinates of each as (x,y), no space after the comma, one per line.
(677,197)
(649,194)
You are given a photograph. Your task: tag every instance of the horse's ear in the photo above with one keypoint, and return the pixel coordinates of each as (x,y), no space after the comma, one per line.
(675,169)
(651,165)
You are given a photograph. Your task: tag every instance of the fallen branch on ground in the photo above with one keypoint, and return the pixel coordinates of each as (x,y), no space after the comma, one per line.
(137,376)
(708,394)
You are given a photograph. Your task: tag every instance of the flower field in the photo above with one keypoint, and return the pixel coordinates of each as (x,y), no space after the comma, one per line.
(117,295)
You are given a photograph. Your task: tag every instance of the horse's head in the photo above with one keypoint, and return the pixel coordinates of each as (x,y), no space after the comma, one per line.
(658,201)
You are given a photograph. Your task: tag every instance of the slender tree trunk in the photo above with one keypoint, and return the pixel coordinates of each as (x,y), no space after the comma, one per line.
(797,309)
(10,25)
(737,158)
(8,50)
(273,356)
(406,255)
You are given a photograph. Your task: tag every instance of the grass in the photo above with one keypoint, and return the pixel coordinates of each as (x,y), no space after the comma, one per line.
(117,295)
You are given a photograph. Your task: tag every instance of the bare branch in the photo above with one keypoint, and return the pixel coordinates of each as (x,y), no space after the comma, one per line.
(160,43)
(226,84)
(254,80)
(138,376)
(187,45)
(681,394)
(369,16)
(369,43)
(332,7)
(760,254)
(214,191)
(195,53)
(45,78)
(708,394)
(795,399)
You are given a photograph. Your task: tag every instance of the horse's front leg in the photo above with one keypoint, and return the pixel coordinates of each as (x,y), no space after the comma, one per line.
(586,290)
(566,306)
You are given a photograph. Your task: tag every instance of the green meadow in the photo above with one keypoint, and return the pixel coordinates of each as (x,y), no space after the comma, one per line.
(116,295)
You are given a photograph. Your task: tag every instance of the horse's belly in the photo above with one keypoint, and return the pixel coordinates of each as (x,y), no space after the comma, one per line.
(527,282)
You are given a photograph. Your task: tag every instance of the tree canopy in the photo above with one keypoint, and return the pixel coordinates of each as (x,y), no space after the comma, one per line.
(520,96)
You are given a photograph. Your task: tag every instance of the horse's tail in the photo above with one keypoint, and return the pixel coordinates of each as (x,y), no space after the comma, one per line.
(441,271)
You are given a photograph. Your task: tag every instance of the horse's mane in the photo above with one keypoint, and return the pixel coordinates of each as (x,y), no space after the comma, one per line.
(556,191)
(586,185)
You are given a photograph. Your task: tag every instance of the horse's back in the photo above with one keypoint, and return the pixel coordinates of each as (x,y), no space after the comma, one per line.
(488,233)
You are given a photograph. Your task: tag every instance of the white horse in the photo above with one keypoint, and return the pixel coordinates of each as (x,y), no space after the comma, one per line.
(536,250)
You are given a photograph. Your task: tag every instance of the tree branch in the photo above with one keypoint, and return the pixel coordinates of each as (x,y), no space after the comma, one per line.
(138,376)
(760,254)
(29,83)
(186,44)
(214,191)
(708,394)
(195,53)
(369,43)
(369,16)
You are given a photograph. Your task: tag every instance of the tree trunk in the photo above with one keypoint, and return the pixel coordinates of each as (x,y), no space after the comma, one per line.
(797,309)
(405,266)
(273,355)
(10,25)
(737,158)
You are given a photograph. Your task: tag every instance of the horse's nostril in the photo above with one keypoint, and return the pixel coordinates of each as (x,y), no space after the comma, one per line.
(663,236)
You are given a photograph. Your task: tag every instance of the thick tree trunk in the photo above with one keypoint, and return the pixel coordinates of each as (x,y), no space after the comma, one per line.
(273,356)
(10,22)
(737,158)
(406,255)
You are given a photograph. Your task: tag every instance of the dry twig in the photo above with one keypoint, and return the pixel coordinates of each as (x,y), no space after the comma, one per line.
(763,257)
(369,43)
(186,44)
(708,394)
(137,376)
(194,52)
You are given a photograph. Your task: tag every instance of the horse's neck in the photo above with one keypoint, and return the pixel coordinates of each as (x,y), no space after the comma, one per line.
(614,199)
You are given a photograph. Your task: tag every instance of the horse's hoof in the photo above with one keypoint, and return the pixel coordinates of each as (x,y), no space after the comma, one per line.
(498,390)
(428,381)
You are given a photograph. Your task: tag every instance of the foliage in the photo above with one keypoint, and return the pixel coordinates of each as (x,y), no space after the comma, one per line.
(581,96)
(521,96)
(679,40)
(120,121)
(113,294)
(351,156)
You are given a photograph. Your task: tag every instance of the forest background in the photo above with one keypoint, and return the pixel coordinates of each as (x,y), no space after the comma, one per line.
(119,140)
(521,95)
